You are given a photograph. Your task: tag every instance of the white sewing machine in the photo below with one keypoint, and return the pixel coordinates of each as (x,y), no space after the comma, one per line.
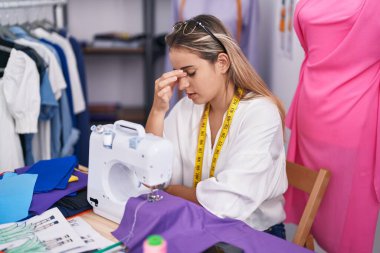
(122,159)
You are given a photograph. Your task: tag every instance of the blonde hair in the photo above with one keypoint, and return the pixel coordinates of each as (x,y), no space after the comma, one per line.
(207,37)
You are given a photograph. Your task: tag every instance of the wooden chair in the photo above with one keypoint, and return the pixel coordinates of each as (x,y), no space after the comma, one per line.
(314,183)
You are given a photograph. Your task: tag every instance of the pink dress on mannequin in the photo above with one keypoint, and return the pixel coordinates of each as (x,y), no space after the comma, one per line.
(334,119)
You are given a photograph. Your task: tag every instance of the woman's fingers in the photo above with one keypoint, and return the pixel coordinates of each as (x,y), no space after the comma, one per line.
(169,78)
(165,83)
(164,90)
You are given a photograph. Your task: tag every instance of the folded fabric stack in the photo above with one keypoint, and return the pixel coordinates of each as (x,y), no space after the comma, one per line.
(45,184)
(119,39)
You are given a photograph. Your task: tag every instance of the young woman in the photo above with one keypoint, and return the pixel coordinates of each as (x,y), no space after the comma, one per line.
(228,130)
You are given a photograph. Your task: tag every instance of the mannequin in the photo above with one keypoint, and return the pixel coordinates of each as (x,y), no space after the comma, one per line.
(334,119)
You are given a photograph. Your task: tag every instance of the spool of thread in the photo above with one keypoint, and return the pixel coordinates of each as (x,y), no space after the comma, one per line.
(155,244)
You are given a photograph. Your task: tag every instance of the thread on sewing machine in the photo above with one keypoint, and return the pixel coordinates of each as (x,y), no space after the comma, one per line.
(130,234)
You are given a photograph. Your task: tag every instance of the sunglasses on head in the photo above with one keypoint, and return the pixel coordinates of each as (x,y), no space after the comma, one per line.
(190,25)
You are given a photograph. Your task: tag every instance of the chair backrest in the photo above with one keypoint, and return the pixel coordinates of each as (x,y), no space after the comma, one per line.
(314,183)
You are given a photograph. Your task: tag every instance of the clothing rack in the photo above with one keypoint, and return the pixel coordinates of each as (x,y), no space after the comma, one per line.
(149,17)
(59,8)
(30,3)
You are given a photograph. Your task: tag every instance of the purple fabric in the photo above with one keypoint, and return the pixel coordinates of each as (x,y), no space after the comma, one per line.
(42,201)
(188,227)
(22,170)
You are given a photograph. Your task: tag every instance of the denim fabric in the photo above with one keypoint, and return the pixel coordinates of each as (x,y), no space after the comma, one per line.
(48,101)
(221,247)
(55,133)
(65,71)
(56,124)
(83,119)
(69,135)
(277,230)
(26,143)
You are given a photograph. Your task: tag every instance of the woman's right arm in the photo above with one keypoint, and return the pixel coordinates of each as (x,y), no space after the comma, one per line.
(163,91)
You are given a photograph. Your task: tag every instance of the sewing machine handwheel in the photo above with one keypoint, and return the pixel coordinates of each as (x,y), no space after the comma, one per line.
(131,126)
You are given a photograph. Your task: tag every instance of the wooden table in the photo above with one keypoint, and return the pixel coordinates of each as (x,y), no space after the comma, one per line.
(102,225)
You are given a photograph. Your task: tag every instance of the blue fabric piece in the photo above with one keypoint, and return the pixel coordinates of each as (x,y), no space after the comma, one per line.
(16,193)
(48,101)
(83,119)
(53,174)
(55,134)
(73,194)
(26,142)
(18,31)
(68,147)
(43,201)
(71,161)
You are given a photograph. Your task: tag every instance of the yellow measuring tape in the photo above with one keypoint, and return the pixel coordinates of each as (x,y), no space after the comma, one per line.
(222,137)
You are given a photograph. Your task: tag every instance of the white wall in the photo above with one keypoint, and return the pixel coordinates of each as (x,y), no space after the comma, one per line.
(113,78)
(283,71)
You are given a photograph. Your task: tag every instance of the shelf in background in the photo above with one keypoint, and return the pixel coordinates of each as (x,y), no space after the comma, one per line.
(112,50)
(109,113)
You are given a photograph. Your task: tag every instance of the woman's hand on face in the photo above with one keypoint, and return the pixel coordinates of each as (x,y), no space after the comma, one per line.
(163,89)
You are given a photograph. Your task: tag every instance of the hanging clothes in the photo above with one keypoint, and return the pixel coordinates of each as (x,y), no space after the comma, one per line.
(42,140)
(335,117)
(83,118)
(77,94)
(70,134)
(56,78)
(19,107)
(47,106)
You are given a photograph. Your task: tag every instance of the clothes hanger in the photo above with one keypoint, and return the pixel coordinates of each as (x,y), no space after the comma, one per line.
(6,34)
(26,26)
(5,54)
(44,24)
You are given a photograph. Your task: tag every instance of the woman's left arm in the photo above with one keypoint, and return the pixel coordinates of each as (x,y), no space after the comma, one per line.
(188,193)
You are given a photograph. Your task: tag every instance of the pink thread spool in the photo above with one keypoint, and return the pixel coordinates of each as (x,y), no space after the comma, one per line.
(155,244)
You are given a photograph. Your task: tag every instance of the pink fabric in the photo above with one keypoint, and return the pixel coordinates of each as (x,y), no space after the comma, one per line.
(334,119)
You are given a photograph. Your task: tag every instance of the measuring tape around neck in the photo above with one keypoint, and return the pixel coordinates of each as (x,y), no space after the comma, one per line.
(222,137)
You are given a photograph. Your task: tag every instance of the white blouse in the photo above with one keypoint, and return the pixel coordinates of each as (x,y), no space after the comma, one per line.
(250,176)
(19,107)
